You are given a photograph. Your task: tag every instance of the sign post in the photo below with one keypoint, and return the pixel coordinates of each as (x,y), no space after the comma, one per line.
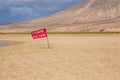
(48,42)
(47,39)
(40,34)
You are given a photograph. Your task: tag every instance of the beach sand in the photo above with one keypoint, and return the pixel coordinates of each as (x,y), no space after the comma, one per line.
(71,57)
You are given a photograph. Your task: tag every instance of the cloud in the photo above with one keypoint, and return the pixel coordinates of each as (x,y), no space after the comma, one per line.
(31,9)
(21,11)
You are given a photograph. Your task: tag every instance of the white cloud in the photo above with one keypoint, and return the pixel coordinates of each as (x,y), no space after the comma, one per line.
(21,11)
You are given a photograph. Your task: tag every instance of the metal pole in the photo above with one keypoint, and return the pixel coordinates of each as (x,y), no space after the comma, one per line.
(48,42)
(47,39)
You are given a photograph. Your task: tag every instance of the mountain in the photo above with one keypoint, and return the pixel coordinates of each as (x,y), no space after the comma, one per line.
(89,16)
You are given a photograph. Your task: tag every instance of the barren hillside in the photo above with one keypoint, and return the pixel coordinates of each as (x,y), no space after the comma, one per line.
(89,16)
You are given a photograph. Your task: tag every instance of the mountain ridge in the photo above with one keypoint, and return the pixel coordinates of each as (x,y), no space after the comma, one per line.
(88,16)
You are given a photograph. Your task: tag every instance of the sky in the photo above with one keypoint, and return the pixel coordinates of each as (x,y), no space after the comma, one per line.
(21,10)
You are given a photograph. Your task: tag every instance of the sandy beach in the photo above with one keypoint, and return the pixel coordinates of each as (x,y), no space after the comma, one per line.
(71,57)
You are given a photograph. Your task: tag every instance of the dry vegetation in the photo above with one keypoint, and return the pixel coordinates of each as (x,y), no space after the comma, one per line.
(71,57)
